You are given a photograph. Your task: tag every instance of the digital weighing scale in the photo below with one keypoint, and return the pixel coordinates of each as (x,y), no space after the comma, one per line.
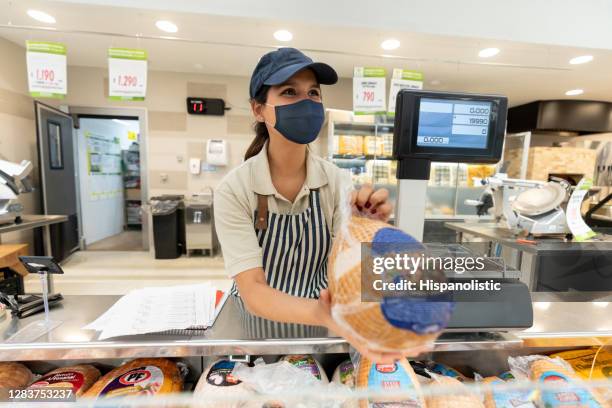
(459,128)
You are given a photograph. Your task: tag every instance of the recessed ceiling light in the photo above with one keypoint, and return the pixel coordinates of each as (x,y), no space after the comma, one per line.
(198,65)
(283,35)
(574,92)
(583,59)
(390,44)
(41,16)
(167,26)
(488,52)
(435,82)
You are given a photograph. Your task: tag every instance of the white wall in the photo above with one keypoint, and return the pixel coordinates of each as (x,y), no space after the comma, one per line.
(103,216)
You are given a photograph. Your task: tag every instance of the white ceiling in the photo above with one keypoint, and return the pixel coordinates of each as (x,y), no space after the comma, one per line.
(228,45)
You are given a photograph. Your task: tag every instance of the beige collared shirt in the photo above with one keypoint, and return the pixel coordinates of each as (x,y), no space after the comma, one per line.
(236,201)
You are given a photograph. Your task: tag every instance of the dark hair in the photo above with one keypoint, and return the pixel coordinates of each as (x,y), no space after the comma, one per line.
(261,131)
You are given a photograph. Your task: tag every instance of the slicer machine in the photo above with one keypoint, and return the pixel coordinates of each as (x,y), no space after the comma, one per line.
(14,180)
(532,206)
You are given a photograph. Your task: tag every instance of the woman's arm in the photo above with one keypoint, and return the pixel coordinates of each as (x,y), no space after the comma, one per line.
(264,301)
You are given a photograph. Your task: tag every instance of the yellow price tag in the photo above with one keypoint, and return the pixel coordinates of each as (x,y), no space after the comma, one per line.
(132,135)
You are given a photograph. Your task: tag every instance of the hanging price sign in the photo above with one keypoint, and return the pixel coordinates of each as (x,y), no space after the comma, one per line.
(403,79)
(46,63)
(369,90)
(127,74)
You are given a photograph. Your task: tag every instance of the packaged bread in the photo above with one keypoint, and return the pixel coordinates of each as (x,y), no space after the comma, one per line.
(345,374)
(217,381)
(395,377)
(307,363)
(395,322)
(350,145)
(13,375)
(143,376)
(421,367)
(372,145)
(78,377)
(500,398)
(454,395)
(566,389)
(583,360)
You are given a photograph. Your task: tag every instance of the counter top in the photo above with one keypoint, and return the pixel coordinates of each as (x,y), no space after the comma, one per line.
(498,233)
(33,221)
(556,324)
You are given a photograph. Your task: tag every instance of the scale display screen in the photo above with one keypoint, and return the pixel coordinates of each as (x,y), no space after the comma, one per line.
(453,123)
(449,126)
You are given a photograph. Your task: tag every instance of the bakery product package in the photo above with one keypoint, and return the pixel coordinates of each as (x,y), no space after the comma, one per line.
(400,321)
(13,375)
(422,367)
(78,377)
(562,386)
(307,363)
(497,396)
(396,377)
(217,383)
(143,376)
(448,392)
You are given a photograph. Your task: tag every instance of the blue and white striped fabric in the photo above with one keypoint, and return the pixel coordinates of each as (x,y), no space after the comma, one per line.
(295,249)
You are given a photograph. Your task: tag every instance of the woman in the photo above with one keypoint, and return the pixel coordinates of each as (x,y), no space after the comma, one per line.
(276,214)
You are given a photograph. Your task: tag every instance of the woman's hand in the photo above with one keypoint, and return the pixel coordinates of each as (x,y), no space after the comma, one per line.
(363,347)
(375,204)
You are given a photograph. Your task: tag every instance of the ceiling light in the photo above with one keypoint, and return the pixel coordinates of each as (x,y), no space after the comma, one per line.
(574,92)
(488,52)
(41,16)
(435,82)
(167,26)
(390,44)
(583,59)
(198,66)
(283,35)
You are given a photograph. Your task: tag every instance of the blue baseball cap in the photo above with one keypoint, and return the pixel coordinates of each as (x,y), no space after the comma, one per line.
(276,67)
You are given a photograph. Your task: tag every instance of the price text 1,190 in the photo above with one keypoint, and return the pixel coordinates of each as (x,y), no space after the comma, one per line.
(127,80)
(45,75)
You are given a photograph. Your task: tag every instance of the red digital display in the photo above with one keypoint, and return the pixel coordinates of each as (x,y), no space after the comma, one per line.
(205,106)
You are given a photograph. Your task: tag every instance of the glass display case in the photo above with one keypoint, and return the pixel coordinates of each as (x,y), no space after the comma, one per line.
(364,147)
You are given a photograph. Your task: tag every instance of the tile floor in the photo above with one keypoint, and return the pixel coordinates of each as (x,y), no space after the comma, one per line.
(117,272)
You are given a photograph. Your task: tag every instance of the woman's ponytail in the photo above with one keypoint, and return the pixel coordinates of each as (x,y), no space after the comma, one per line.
(261,131)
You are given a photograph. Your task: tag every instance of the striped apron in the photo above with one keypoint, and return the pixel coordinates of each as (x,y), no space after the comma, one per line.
(295,248)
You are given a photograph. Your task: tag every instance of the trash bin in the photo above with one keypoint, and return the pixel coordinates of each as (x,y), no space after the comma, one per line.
(165,228)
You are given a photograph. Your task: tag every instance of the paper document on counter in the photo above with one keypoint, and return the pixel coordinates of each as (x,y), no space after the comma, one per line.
(154,310)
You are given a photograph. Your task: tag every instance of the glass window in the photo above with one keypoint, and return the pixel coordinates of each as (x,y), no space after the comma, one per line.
(54,133)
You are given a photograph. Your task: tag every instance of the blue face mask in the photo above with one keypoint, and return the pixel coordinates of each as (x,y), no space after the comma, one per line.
(300,122)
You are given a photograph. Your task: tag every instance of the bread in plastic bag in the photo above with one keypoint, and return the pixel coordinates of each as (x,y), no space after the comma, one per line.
(454,394)
(79,378)
(281,380)
(217,382)
(13,375)
(421,367)
(398,376)
(307,363)
(498,397)
(568,391)
(397,323)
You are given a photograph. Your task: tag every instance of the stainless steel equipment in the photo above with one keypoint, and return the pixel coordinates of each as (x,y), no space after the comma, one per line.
(532,206)
(13,181)
(199,223)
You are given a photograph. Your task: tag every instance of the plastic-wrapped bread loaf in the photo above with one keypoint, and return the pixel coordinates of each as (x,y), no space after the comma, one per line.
(307,363)
(217,381)
(457,395)
(506,398)
(394,377)
(143,376)
(79,377)
(568,393)
(395,323)
(13,375)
